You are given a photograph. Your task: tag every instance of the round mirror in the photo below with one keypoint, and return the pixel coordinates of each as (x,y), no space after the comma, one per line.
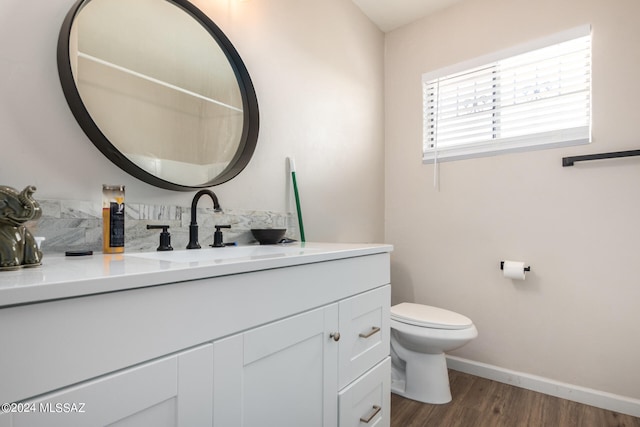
(159,89)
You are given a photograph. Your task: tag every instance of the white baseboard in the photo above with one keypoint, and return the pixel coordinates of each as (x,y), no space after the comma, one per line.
(600,399)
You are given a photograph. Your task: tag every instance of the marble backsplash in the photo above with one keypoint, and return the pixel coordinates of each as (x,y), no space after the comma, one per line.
(77,225)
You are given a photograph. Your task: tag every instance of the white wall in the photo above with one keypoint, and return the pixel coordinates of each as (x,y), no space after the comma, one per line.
(576,317)
(317,68)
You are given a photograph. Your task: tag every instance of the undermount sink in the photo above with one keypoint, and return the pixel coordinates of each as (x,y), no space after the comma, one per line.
(228,253)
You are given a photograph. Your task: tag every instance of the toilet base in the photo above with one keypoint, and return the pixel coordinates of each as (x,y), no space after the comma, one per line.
(428,379)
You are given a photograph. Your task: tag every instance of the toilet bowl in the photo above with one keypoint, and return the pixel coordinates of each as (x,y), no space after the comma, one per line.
(420,336)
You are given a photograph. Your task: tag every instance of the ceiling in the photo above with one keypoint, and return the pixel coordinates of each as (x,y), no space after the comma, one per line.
(391,14)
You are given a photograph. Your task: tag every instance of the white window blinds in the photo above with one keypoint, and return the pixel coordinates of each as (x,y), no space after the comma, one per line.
(537,97)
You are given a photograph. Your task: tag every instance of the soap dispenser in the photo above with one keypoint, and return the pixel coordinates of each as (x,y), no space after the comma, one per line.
(165,237)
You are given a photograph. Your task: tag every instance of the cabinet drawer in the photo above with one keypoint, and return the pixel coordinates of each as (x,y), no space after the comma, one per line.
(367,401)
(364,332)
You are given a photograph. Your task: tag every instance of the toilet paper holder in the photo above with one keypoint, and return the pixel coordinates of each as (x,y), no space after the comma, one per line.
(528,268)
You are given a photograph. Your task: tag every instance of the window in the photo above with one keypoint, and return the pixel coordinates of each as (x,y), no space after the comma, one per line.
(535,96)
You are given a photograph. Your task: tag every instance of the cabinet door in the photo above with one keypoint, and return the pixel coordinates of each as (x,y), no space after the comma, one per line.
(281,374)
(364,330)
(176,390)
(367,401)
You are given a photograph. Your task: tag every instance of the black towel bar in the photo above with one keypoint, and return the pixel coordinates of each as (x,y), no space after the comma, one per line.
(568,161)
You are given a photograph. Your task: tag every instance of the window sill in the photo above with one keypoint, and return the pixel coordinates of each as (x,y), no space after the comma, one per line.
(476,151)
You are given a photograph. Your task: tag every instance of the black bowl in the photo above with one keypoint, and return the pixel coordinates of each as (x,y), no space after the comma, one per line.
(268,236)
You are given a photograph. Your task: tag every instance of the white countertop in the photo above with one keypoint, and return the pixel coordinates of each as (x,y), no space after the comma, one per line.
(65,277)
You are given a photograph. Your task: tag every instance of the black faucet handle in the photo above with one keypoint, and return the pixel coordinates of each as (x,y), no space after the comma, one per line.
(217,236)
(165,236)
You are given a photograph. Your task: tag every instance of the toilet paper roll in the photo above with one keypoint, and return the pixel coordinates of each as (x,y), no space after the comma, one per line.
(513,270)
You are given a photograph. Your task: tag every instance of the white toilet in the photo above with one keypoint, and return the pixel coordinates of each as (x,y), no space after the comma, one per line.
(420,336)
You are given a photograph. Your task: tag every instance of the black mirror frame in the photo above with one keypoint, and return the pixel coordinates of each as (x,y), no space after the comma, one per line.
(251,121)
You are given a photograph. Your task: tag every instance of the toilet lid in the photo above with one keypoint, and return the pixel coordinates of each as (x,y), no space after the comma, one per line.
(429,317)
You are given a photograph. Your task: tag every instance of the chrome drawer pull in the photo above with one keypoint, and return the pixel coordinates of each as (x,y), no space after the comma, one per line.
(376,409)
(335,336)
(374,329)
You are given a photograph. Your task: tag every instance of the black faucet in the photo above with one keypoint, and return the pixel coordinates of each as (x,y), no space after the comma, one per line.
(193,226)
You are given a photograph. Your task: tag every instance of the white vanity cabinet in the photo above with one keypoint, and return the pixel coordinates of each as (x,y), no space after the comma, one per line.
(281,374)
(365,366)
(294,342)
(288,373)
(175,390)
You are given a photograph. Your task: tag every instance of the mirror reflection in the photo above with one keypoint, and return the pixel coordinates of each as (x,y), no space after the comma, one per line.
(161,90)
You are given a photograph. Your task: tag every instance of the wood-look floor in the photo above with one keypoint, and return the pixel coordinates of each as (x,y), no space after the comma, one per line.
(479,402)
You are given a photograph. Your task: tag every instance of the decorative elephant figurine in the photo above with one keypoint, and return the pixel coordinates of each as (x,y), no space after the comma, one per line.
(18,248)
